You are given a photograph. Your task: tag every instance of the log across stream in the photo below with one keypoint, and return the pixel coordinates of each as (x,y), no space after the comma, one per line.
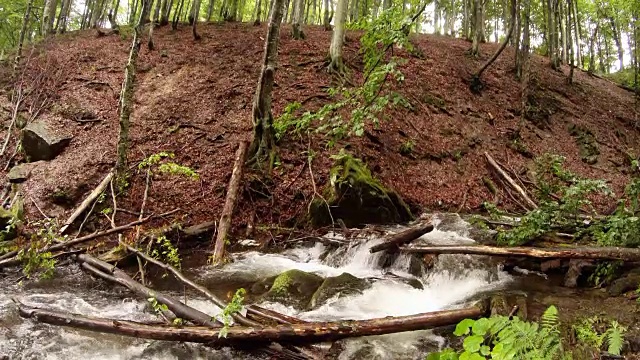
(449,285)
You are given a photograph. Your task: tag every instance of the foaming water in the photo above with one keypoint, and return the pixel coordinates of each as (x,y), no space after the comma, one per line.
(453,280)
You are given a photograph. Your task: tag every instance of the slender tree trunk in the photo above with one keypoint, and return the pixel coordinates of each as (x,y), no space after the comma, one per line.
(465,19)
(386,4)
(553,35)
(525,56)
(176,15)
(85,15)
(152,25)
(298,34)
(578,36)
(570,41)
(164,12)
(477,28)
(63,19)
(49,16)
(210,10)
(618,40)
(592,52)
(263,143)
(436,17)
(127,93)
(195,15)
(23,30)
(517,36)
(133,10)
(326,21)
(337,39)
(256,22)
(563,34)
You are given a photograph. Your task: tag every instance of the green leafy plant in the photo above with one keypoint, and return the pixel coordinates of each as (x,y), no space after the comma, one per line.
(503,338)
(34,260)
(158,161)
(368,101)
(157,307)
(235,306)
(166,252)
(604,273)
(407,147)
(595,332)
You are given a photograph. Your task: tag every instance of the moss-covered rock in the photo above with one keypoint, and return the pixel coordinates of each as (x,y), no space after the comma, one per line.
(587,143)
(356,197)
(294,288)
(342,285)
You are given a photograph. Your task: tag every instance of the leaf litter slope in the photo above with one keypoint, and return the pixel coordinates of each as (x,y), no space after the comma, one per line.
(194,99)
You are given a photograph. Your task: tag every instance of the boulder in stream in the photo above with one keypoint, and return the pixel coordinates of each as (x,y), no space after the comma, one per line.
(356,197)
(39,142)
(294,288)
(342,285)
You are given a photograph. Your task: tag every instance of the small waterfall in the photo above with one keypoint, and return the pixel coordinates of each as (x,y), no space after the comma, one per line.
(448,284)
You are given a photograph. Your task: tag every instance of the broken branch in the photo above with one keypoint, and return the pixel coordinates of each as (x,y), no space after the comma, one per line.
(403,237)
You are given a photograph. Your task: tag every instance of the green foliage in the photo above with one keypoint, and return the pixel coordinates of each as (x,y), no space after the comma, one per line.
(562,197)
(157,307)
(167,167)
(167,252)
(604,273)
(407,147)
(502,338)
(594,332)
(368,101)
(235,306)
(34,261)
(623,227)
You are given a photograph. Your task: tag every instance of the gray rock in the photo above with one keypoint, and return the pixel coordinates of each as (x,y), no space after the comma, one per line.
(626,283)
(293,288)
(20,173)
(39,142)
(342,285)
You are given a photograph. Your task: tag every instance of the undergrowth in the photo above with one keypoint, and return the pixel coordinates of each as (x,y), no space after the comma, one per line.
(369,100)
(505,338)
(234,306)
(565,205)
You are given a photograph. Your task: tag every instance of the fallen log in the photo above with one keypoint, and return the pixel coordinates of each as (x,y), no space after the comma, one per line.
(295,333)
(511,182)
(396,240)
(262,315)
(113,274)
(229,204)
(596,253)
(214,299)
(87,202)
(10,258)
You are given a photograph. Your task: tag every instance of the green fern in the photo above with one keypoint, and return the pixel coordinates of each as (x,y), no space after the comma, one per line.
(615,338)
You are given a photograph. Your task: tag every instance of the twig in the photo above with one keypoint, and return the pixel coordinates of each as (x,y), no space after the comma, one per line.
(511,182)
(15,152)
(40,210)
(85,204)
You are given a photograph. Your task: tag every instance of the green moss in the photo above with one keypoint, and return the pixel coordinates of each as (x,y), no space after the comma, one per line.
(357,197)
(587,143)
(294,288)
(281,284)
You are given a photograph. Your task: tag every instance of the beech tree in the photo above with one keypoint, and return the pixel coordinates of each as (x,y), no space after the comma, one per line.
(48,16)
(298,34)
(337,39)
(263,143)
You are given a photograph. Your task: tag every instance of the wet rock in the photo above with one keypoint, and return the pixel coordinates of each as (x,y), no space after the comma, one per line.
(343,285)
(415,283)
(20,173)
(39,142)
(294,288)
(626,283)
(262,286)
(357,198)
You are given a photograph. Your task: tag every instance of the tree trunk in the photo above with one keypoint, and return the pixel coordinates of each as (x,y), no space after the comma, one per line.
(326,21)
(386,4)
(618,40)
(551,33)
(23,30)
(152,25)
(165,10)
(176,15)
(595,253)
(515,39)
(195,16)
(570,41)
(524,50)
(578,34)
(298,10)
(263,143)
(337,38)
(592,51)
(229,204)
(238,335)
(436,17)
(465,19)
(256,21)
(477,28)
(127,93)
(49,16)
(563,35)
(394,241)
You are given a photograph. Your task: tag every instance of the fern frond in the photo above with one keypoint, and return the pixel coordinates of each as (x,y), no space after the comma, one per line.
(615,338)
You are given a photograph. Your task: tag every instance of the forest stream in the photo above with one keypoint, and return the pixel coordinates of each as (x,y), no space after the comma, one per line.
(395,290)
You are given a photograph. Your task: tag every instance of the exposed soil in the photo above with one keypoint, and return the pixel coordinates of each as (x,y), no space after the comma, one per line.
(193,98)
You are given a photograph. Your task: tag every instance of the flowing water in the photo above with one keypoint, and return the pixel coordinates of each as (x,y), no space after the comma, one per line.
(449,284)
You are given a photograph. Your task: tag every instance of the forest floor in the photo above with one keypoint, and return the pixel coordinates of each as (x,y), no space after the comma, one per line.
(193,98)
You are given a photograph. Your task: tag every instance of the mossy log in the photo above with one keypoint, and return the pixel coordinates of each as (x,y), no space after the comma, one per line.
(596,253)
(254,336)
